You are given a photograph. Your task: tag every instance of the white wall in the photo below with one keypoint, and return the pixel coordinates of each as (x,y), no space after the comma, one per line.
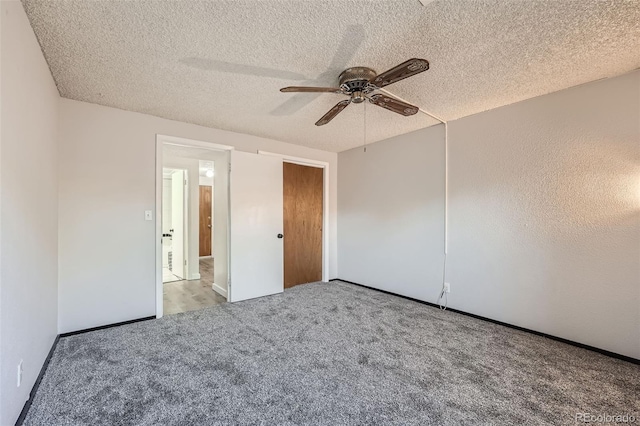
(94,141)
(391,212)
(2,418)
(28,216)
(544,215)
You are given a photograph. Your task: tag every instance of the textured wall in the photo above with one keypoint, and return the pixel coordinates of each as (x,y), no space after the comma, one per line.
(391,212)
(544,214)
(102,211)
(29,199)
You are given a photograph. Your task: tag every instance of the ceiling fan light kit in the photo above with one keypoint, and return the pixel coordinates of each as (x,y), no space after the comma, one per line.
(360,83)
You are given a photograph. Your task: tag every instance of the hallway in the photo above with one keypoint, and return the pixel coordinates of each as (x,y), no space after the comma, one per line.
(184,296)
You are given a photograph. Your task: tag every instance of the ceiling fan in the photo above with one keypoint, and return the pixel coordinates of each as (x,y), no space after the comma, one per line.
(359,83)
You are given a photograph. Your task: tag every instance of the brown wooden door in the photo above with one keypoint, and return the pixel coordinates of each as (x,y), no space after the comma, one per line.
(205,220)
(303,198)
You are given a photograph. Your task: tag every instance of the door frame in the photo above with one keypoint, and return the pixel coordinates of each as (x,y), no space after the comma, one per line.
(325,201)
(162,140)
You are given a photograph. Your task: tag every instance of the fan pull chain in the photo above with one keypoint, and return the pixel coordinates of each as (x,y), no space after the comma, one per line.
(364,115)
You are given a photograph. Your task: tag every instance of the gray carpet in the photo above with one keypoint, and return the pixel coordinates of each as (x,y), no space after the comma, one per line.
(326,354)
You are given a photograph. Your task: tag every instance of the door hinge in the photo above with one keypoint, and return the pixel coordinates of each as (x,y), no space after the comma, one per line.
(185,182)
(185,262)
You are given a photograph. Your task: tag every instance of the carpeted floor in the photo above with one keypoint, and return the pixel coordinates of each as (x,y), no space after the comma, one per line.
(329,354)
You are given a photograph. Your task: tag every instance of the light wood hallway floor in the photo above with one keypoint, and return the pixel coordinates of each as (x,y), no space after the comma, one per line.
(183,296)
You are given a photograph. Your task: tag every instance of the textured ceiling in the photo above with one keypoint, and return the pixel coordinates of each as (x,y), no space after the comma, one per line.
(220,63)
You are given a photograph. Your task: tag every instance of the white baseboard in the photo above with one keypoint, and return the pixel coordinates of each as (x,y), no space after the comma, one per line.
(194,277)
(221,291)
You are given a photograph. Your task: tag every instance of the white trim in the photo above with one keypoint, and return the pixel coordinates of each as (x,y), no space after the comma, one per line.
(193,277)
(158,233)
(297,160)
(175,140)
(221,291)
(325,214)
(160,141)
(446,188)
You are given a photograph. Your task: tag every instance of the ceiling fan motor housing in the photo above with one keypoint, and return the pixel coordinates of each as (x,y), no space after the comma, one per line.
(356,79)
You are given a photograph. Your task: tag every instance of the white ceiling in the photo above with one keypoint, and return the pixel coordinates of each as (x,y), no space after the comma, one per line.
(220,63)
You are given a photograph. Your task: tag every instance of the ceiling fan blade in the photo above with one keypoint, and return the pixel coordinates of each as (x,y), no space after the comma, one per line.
(393,104)
(400,72)
(337,109)
(311,89)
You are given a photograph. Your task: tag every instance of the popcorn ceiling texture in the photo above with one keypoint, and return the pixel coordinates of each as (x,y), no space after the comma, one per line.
(220,64)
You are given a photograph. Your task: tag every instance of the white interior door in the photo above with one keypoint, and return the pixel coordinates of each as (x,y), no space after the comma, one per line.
(177,222)
(256,250)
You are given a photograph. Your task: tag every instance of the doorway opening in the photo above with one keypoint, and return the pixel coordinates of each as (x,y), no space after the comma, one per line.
(192,209)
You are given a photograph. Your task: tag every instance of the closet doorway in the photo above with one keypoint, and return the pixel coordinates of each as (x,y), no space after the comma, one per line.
(303,199)
(257,228)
